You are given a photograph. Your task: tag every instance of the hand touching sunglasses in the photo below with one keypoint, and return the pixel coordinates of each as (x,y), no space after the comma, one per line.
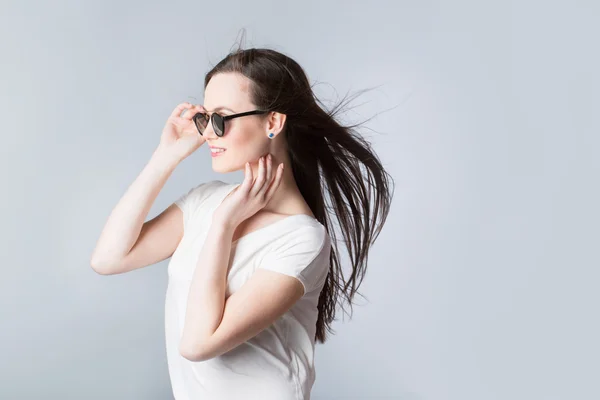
(201,119)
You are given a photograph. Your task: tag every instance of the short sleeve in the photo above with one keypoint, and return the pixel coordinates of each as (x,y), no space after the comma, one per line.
(192,200)
(302,254)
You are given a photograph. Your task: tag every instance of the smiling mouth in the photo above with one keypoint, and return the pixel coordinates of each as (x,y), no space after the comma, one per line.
(216,152)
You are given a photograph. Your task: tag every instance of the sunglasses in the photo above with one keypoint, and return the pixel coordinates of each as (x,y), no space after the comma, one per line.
(202,119)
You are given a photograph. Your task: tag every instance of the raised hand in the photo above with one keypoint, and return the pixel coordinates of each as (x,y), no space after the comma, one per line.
(252,195)
(180,137)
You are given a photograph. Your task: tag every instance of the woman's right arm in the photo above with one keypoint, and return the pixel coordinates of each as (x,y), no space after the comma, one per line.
(126,241)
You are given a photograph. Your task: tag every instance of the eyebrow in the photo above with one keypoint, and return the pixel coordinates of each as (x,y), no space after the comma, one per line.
(223,108)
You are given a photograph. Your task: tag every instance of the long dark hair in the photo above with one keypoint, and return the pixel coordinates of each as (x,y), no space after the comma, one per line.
(326,157)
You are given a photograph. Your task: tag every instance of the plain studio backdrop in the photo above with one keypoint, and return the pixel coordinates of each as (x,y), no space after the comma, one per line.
(483,283)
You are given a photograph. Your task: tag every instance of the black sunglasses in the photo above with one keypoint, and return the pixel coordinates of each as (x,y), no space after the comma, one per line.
(218,121)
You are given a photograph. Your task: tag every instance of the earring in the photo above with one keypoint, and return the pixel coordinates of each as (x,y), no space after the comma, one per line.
(271,135)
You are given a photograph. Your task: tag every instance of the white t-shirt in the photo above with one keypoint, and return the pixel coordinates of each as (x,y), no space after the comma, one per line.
(278,363)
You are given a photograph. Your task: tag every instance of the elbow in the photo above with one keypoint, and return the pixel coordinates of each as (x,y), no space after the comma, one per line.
(100,267)
(191,355)
(194,353)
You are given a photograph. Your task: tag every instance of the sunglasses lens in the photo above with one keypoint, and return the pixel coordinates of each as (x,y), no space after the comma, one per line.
(218,124)
(201,120)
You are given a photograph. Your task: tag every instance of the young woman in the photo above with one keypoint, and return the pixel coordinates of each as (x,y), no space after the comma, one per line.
(254,275)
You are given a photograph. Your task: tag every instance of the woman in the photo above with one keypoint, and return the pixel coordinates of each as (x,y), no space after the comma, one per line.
(254,275)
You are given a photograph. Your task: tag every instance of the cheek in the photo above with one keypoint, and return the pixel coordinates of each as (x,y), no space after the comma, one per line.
(246,143)
(239,138)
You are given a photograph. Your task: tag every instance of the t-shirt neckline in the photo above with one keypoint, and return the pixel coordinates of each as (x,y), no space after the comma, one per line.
(268,226)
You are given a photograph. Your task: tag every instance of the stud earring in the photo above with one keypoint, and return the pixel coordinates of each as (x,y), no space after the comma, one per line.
(271,135)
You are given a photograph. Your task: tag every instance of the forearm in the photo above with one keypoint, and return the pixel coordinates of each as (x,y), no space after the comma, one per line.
(125,222)
(206,298)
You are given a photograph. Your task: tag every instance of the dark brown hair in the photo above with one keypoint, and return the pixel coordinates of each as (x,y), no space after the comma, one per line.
(326,157)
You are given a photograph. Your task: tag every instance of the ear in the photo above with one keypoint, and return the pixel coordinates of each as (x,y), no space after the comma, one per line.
(276,122)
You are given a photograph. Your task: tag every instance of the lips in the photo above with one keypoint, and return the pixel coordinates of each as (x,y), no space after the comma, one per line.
(216,153)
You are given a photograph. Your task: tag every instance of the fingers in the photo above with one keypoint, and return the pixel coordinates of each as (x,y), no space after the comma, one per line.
(180,107)
(264,183)
(188,110)
(248,179)
(260,177)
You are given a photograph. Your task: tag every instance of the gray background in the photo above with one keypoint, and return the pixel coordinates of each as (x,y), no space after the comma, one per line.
(483,283)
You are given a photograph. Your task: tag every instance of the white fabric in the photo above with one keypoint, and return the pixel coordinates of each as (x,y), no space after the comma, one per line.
(278,363)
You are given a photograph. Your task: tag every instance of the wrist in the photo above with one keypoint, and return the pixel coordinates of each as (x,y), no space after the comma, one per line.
(222,227)
(162,158)
(223,223)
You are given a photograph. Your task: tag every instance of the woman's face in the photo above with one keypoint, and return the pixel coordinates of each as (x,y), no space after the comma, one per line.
(245,138)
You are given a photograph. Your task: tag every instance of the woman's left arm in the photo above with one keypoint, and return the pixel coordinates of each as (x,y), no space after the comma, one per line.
(206,298)
(214,326)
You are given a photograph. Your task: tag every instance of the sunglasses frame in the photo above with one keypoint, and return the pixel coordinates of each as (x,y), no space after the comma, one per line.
(203,115)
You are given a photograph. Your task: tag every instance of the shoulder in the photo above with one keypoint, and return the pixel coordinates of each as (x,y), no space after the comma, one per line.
(207,187)
(307,235)
(199,193)
(303,252)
